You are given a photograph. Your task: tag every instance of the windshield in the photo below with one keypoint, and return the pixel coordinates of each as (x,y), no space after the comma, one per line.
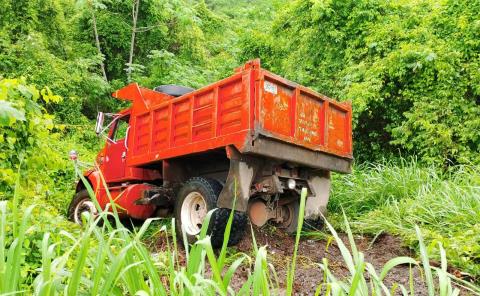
(117,126)
(121,128)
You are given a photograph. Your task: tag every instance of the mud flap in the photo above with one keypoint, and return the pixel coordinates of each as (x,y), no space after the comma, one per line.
(316,204)
(239,180)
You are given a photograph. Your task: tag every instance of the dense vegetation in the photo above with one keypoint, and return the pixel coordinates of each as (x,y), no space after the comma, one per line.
(394,198)
(409,67)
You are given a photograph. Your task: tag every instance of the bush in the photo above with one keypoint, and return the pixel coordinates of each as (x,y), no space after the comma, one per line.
(410,68)
(25,134)
(393,199)
(32,145)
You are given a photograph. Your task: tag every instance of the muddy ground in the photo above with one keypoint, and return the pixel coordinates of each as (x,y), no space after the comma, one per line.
(309,275)
(311,251)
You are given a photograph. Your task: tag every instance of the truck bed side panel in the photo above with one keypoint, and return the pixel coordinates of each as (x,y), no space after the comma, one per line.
(297,115)
(212,117)
(232,111)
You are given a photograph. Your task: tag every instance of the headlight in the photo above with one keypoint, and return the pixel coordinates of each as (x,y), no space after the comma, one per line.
(291,184)
(73,155)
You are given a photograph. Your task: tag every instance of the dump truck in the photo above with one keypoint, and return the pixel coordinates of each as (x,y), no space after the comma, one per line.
(248,143)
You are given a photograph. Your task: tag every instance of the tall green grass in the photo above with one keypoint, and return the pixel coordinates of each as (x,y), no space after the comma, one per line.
(106,260)
(394,198)
(373,185)
(364,279)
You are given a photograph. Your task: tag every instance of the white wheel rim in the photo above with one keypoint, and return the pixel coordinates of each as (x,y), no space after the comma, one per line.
(85,205)
(193,211)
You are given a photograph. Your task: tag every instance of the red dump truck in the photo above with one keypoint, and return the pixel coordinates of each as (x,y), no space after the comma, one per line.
(254,138)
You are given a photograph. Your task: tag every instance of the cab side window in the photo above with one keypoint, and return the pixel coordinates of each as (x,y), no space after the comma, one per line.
(121,128)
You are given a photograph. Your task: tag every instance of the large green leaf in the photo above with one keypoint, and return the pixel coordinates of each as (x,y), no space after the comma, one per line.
(9,114)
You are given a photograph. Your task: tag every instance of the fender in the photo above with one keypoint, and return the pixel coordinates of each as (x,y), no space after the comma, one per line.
(93,178)
(123,196)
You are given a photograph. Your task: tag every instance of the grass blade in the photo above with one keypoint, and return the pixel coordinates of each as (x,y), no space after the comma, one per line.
(291,270)
(395,262)
(426,263)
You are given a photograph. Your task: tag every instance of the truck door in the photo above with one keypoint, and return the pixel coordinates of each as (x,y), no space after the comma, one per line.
(116,151)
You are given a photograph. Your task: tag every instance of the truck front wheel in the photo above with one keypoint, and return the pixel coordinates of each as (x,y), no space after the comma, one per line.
(81,203)
(195,199)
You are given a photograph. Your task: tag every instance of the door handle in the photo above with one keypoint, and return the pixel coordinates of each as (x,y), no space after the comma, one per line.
(124,154)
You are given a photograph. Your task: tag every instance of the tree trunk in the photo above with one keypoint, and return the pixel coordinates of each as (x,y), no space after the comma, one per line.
(136,5)
(97,43)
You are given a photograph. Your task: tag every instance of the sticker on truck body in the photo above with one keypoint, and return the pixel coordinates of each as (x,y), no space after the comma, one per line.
(270,87)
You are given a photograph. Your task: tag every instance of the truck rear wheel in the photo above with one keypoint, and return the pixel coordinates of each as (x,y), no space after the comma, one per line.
(80,204)
(308,224)
(195,199)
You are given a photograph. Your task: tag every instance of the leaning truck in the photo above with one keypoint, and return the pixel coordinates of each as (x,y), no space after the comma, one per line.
(247,143)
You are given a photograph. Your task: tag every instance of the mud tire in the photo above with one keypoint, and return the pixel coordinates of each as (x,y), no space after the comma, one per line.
(210,190)
(218,223)
(308,224)
(313,224)
(77,199)
(292,228)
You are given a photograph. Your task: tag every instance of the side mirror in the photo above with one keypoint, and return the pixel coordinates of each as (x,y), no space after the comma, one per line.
(99,124)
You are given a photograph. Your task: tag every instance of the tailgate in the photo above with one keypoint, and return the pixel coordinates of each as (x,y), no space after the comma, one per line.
(298,115)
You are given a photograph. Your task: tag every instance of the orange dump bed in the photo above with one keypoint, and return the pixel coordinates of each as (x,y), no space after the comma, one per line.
(237,110)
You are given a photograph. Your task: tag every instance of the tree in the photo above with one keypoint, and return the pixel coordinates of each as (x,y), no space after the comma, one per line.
(410,69)
(135,7)
(41,41)
(92,6)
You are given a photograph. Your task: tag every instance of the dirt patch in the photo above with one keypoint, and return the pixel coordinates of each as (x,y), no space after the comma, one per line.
(311,252)
(309,275)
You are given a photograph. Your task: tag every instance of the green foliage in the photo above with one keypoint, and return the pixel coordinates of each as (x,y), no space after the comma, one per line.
(393,199)
(25,131)
(410,68)
(9,114)
(30,142)
(37,41)
(374,185)
(249,24)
